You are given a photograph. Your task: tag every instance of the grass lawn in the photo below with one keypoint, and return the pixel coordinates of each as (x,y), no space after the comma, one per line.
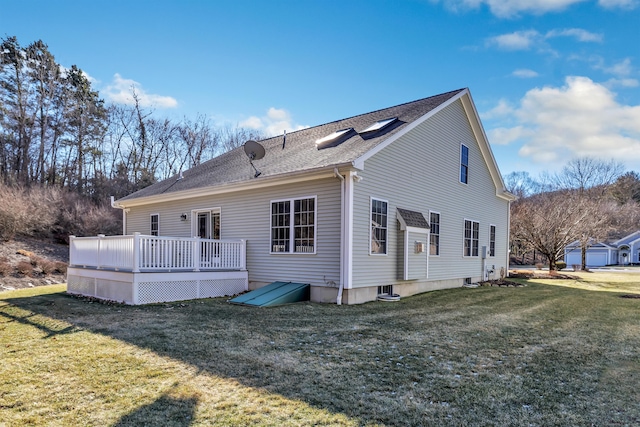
(538,355)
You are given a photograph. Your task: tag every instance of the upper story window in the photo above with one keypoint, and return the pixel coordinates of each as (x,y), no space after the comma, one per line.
(155,224)
(471,237)
(464,164)
(378,243)
(492,240)
(293,226)
(434,233)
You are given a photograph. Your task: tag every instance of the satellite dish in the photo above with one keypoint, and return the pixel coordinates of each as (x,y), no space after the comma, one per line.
(254,151)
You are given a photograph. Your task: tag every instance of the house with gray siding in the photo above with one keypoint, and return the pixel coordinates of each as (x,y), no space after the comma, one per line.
(623,251)
(402,200)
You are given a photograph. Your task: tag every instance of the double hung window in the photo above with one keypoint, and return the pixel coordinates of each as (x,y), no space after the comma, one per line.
(378,242)
(471,237)
(155,225)
(434,233)
(464,164)
(492,240)
(293,225)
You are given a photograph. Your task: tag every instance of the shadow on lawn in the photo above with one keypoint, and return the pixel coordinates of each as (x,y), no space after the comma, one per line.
(166,411)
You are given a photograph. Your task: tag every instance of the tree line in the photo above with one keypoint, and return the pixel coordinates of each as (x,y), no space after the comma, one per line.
(588,201)
(56,131)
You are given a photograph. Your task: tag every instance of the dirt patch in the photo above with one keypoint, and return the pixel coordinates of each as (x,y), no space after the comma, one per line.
(26,262)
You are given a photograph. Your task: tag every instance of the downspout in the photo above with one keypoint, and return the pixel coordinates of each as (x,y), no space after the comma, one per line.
(124,214)
(342,239)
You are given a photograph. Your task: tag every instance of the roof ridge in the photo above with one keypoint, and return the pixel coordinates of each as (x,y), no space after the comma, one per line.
(364,114)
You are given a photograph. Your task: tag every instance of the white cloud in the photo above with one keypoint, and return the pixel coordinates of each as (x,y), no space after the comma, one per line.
(526,40)
(581,118)
(120,90)
(622,4)
(501,110)
(622,83)
(577,33)
(518,40)
(620,69)
(275,122)
(524,73)
(512,8)
(516,8)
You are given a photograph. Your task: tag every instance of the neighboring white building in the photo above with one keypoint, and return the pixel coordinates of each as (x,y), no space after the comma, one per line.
(623,251)
(407,198)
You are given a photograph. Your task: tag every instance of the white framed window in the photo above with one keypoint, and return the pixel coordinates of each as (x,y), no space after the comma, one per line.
(379,216)
(434,233)
(154,224)
(293,225)
(492,240)
(464,164)
(471,237)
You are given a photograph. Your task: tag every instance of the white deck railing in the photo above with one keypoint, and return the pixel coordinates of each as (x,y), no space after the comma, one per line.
(138,253)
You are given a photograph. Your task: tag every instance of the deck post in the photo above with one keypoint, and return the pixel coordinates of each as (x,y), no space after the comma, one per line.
(243,254)
(100,237)
(136,253)
(196,254)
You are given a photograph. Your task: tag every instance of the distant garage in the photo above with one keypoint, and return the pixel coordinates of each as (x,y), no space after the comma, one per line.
(594,259)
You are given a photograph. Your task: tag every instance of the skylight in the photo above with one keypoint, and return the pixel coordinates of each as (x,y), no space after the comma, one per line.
(379,125)
(335,135)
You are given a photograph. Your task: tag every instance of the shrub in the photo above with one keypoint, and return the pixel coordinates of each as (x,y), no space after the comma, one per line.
(61,267)
(560,265)
(36,260)
(47,267)
(5,267)
(25,268)
(539,266)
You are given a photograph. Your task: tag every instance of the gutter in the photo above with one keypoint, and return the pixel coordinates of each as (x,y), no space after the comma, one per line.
(117,205)
(336,173)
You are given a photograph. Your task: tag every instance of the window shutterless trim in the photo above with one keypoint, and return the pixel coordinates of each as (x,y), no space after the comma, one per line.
(472,240)
(157,231)
(431,233)
(463,172)
(385,228)
(292,226)
(492,241)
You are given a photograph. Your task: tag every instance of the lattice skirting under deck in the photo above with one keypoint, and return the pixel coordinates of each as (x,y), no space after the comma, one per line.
(155,288)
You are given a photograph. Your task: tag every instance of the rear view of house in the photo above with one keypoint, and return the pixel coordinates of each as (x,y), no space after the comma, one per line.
(401,200)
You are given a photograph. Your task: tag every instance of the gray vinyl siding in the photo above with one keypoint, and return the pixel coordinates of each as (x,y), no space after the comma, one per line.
(247,215)
(421,172)
(417,261)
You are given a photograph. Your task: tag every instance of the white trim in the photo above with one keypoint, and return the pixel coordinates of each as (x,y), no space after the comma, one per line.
(348,229)
(439,228)
(495,234)
(462,144)
(151,215)
(464,238)
(292,233)
(194,219)
(386,246)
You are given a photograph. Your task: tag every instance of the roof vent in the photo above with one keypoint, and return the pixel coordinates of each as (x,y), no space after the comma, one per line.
(380,124)
(334,138)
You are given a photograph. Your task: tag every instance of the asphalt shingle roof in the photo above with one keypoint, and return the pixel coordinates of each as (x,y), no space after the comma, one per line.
(300,152)
(413,218)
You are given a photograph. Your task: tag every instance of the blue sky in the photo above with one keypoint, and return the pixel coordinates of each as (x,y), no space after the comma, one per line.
(551,79)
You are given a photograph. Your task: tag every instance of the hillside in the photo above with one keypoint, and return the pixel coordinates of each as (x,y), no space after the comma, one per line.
(28,262)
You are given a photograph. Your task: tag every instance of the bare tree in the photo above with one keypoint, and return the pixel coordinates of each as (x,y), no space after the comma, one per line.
(587,172)
(234,136)
(547,222)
